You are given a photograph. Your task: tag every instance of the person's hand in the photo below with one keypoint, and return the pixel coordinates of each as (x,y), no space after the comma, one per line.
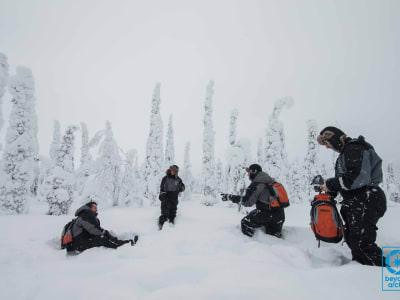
(234,198)
(224,197)
(324,188)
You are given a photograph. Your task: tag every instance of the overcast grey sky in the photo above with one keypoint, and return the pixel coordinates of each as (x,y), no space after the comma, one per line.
(99,60)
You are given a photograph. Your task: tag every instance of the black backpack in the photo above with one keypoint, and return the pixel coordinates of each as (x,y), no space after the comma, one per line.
(66,235)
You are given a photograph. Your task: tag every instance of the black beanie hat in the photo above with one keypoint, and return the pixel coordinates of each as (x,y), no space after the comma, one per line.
(334,136)
(253,170)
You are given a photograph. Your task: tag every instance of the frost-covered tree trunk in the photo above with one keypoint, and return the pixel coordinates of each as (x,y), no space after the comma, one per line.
(3,84)
(392,184)
(21,149)
(86,163)
(297,186)
(187,175)
(219,177)
(130,185)
(61,178)
(169,147)
(55,144)
(108,177)
(208,167)
(154,162)
(275,161)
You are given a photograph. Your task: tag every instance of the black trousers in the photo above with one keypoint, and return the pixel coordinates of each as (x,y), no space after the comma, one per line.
(272,220)
(169,207)
(84,242)
(361,212)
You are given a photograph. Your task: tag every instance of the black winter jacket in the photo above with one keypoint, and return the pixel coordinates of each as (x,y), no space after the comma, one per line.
(357,167)
(171,186)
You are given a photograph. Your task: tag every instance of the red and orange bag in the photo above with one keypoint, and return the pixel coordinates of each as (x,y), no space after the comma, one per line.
(326,222)
(279,196)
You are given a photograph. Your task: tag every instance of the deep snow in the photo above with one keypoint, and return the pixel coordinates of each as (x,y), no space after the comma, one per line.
(204,256)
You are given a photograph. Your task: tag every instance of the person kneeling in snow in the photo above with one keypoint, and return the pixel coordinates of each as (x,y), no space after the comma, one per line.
(171,186)
(87,233)
(272,218)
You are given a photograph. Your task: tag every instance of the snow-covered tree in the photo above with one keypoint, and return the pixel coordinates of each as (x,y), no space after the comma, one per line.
(260,152)
(55,144)
(392,183)
(169,147)
(237,159)
(130,186)
(61,178)
(3,84)
(108,176)
(208,167)
(311,161)
(47,163)
(154,162)
(186,174)
(21,149)
(86,163)
(275,161)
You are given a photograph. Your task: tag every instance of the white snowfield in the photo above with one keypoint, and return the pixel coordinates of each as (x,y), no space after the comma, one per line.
(204,256)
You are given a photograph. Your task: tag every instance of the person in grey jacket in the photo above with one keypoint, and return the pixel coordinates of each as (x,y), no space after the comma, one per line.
(258,193)
(87,232)
(170,187)
(358,173)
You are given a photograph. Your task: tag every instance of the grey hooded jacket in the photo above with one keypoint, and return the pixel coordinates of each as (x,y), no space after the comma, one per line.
(87,222)
(257,192)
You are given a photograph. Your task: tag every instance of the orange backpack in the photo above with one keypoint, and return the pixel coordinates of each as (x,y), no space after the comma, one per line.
(326,222)
(66,235)
(279,196)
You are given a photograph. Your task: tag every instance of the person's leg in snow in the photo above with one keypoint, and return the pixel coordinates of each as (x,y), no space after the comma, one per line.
(172,210)
(275,220)
(361,214)
(95,241)
(165,209)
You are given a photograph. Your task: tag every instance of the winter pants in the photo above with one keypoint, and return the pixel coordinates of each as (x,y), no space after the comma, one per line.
(361,212)
(83,243)
(169,207)
(271,220)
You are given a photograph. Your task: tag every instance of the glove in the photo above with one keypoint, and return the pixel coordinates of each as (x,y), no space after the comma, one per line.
(234,198)
(224,197)
(162,196)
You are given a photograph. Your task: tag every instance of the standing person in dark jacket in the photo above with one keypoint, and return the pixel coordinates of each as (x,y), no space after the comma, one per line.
(87,232)
(358,173)
(171,186)
(258,193)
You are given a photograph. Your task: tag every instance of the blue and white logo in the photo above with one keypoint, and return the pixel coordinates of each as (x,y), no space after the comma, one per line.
(391,272)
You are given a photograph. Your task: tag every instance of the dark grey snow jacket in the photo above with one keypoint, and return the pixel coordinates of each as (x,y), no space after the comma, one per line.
(257,192)
(86,223)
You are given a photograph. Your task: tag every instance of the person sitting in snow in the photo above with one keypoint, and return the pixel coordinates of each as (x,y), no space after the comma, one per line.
(171,186)
(87,232)
(358,173)
(271,218)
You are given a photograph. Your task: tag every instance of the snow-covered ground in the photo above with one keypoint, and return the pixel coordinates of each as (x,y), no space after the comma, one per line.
(204,256)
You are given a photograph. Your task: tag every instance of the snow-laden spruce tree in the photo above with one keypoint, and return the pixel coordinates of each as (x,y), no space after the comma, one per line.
(297,187)
(153,168)
(86,163)
(130,192)
(208,166)
(108,173)
(237,159)
(219,176)
(260,152)
(275,162)
(392,183)
(61,177)
(3,84)
(310,165)
(47,164)
(169,147)
(21,149)
(187,175)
